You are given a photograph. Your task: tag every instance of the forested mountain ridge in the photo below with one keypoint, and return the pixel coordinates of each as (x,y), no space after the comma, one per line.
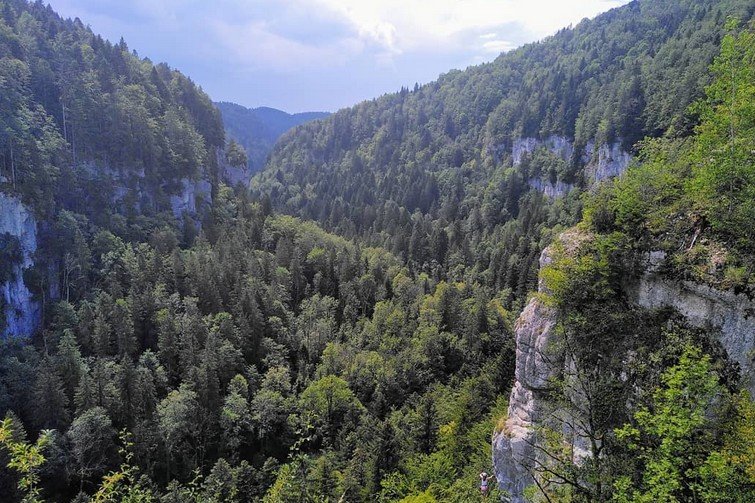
(231,355)
(439,173)
(90,136)
(257,130)
(635,369)
(72,100)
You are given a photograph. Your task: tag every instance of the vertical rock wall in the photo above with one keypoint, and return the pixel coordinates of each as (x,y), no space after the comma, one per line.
(733,315)
(515,450)
(514,447)
(601,163)
(21,312)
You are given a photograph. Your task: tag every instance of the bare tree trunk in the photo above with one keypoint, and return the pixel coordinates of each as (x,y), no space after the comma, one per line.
(167,465)
(73,142)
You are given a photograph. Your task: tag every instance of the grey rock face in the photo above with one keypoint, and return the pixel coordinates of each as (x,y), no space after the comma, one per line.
(514,450)
(193,192)
(537,360)
(234,175)
(523,146)
(611,162)
(601,163)
(552,190)
(21,312)
(703,306)
(558,145)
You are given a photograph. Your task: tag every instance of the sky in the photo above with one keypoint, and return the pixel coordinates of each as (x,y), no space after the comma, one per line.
(322,55)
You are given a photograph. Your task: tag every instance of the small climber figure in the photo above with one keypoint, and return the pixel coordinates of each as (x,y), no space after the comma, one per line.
(485,483)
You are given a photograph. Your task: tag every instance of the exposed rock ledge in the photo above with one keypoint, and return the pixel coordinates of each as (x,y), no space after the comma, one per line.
(733,315)
(605,161)
(514,451)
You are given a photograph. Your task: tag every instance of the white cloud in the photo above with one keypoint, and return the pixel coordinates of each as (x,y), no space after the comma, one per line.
(324,54)
(276,34)
(439,25)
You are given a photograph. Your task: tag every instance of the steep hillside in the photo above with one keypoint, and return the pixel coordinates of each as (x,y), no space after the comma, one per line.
(463,160)
(635,369)
(257,130)
(207,363)
(91,138)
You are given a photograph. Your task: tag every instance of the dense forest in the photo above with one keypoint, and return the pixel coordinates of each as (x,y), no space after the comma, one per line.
(431,164)
(79,112)
(257,130)
(689,434)
(344,331)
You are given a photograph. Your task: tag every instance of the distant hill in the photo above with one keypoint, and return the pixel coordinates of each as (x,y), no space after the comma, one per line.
(257,129)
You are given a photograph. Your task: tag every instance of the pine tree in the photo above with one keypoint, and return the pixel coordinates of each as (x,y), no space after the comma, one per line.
(50,400)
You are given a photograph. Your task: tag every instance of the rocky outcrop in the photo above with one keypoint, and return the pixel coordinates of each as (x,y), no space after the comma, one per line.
(135,189)
(538,361)
(550,189)
(193,197)
(514,447)
(234,175)
(731,315)
(21,312)
(601,163)
(558,145)
(608,162)
(514,451)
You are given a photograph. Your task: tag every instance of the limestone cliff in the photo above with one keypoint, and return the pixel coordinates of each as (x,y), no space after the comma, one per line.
(192,198)
(731,315)
(600,163)
(514,447)
(538,361)
(21,312)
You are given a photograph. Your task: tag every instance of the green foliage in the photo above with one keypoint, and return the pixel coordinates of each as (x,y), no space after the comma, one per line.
(729,473)
(10,256)
(78,113)
(256,130)
(235,154)
(124,485)
(331,404)
(92,443)
(692,198)
(722,158)
(316,345)
(427,173)
(260,357)
(671,438)
(580,276)
(451,473)
(685,201)
(25,458)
